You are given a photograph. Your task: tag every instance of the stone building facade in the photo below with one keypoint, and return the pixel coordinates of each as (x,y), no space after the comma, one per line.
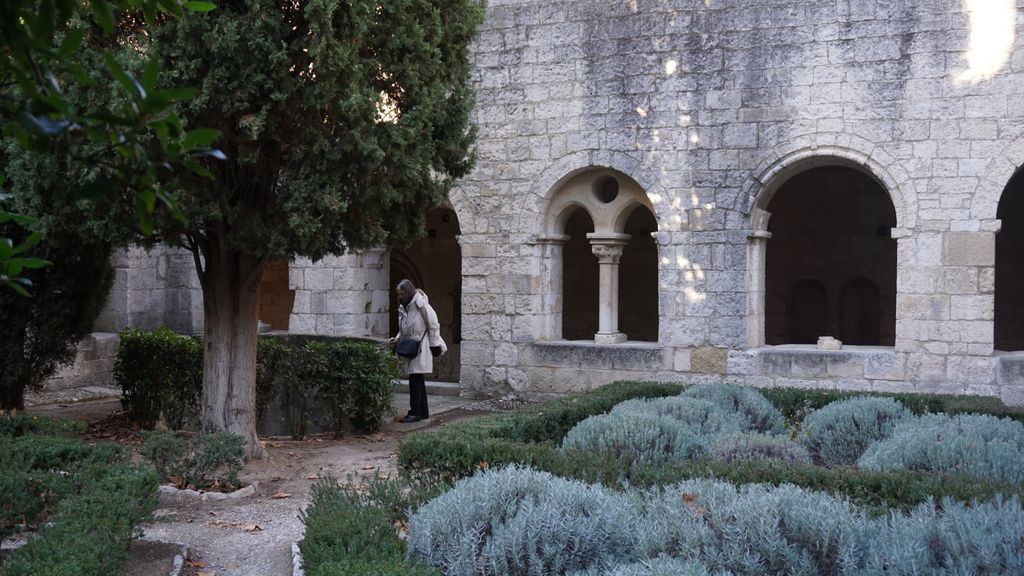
(697,190)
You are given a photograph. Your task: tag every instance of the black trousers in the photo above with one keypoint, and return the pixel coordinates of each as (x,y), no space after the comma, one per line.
(418,396)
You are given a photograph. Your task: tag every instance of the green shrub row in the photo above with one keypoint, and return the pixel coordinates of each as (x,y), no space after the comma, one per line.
(84,500)
(161,372)
(796,403)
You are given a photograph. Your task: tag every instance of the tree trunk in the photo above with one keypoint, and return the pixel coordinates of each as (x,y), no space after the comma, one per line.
(13,397)
(231,283)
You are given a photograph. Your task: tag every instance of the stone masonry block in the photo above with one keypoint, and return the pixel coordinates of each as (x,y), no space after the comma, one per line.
(969,249)
(708,359)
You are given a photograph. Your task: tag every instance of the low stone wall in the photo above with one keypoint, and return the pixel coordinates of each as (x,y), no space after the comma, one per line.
(557,368)
(93,364)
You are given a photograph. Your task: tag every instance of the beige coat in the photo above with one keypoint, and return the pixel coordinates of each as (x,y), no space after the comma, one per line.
(413,321)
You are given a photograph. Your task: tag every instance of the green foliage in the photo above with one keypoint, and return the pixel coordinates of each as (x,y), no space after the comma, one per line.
(756,411)
(748,446)
(701,417)
(90,531)
(352,532)
(13,257)
(520,521)
(41,333)
(644,438)
(66,101)
(84,499)
(796,403)
(975,445)
(204,461)
(837,434)
(15,424)
(160,371)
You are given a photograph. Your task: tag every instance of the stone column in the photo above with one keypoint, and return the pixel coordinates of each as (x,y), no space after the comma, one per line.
(552,288)
(608,249)
(756,244)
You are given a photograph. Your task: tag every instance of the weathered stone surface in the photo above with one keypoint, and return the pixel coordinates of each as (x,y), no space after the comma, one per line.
(702,111)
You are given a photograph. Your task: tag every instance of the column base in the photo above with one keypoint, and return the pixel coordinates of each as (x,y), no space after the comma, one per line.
(609,338)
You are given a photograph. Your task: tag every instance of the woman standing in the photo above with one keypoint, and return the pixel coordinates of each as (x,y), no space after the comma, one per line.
(418,321)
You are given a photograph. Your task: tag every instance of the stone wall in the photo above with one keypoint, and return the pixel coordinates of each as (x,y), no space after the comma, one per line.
(341,295)
(711,108)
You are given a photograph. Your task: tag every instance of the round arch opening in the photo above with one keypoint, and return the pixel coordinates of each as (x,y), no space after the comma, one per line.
(1008,325)
(830,261)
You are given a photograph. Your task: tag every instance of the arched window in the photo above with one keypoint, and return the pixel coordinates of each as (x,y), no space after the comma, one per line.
(600,262)
(638,273)
(579,288)
(830,227)
(1009,282)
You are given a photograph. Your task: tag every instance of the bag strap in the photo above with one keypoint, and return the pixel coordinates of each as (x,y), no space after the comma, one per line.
(426,327)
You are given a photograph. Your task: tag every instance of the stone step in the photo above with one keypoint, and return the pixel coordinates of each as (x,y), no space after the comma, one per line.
(434,388)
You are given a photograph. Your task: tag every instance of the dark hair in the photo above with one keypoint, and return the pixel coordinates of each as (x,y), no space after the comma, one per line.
(406,285)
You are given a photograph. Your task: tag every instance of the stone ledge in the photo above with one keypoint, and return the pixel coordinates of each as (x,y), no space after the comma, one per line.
(808,362)
(646,356)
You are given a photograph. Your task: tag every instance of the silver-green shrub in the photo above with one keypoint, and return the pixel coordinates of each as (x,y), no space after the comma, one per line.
(750,446)
(702,417)
(973,444)
(518,521)
(958,539)
(757,412)
(837,434)
(644,438)
(754,529)
(662,566)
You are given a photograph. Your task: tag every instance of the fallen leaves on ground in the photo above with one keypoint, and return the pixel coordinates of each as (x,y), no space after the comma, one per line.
(195,564)
(281,495)
(242,525)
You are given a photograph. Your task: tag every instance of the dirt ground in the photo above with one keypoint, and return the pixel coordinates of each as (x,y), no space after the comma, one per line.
(252,536)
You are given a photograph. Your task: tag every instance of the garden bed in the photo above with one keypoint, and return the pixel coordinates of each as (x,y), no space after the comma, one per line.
(541,437)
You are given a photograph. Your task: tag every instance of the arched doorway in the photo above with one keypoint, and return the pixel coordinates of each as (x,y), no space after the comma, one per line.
(1009,282)
(830,246)
(434,264)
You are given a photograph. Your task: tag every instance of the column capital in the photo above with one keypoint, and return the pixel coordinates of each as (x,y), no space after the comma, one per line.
(607,253)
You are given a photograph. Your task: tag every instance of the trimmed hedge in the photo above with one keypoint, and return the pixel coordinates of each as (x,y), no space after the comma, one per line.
(643,438)
(161,372)
(839,433)
(796,403)
(522,522)
(85,500)
(977,445)
(352,531)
